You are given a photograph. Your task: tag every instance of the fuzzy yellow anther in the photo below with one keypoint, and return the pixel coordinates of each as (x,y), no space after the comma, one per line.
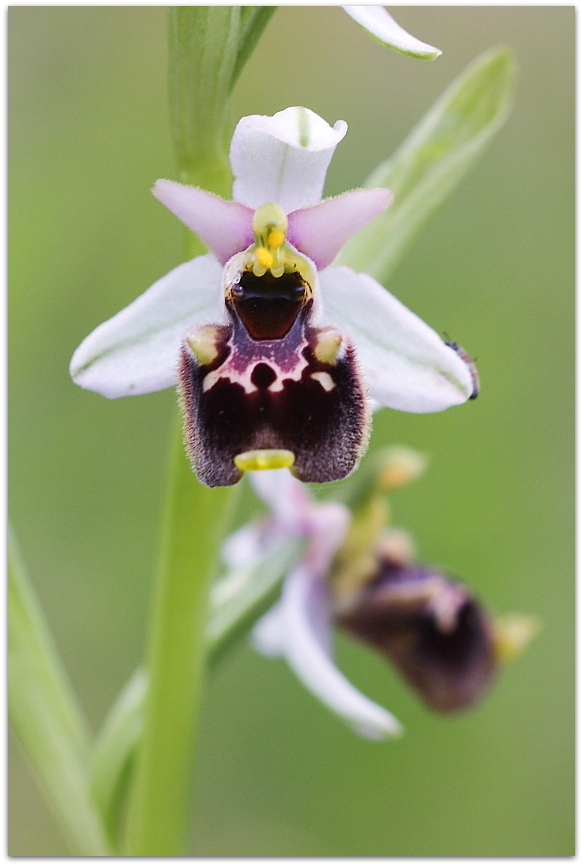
(269,231)
(263,257)
(275,238)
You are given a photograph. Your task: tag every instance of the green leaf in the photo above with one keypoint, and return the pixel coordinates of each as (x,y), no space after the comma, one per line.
(244,594)
(254,19)
(208,48)
(115,749)
(433,159)
(46,717)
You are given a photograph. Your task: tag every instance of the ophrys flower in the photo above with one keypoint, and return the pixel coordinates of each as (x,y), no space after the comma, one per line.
(444,643)
(277,352)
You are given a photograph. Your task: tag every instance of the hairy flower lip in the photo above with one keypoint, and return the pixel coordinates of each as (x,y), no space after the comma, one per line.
(431,628)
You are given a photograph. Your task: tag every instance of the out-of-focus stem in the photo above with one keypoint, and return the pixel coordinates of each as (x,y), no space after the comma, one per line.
(47,718)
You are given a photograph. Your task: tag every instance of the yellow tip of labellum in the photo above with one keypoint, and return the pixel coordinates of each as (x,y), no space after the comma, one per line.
(513,632)
(253,461)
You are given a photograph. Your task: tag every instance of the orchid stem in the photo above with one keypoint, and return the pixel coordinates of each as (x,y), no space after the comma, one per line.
(195,515)
(195,520)
(207,49)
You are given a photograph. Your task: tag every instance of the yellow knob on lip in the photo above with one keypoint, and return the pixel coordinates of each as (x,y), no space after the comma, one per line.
(254,461)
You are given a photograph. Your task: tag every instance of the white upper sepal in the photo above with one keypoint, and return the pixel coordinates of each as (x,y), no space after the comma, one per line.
(136,351)
(406,365)
(283,158)
(383,27)
(304,631)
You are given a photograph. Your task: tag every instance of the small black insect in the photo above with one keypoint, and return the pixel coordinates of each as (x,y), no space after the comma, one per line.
(469,362)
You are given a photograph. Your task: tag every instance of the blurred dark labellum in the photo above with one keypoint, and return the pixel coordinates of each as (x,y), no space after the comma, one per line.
(438,636)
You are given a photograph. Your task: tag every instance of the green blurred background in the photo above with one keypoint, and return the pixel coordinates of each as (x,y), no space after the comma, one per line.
(277,774)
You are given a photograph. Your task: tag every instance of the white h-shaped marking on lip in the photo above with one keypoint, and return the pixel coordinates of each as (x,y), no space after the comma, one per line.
(244,378)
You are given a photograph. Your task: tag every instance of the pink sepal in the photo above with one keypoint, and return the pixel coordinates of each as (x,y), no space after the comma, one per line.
(224,226)
(320,231)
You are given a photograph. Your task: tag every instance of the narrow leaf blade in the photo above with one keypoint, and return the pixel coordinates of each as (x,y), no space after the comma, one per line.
(254,20)
(115,749)
(46,717)
(433,159)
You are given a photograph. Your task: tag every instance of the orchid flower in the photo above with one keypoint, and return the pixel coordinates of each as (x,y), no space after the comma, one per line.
(298,627)
(277,352)
(440,638)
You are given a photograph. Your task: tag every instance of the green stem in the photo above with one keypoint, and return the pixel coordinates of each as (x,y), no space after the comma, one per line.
(207,49)
(195,515)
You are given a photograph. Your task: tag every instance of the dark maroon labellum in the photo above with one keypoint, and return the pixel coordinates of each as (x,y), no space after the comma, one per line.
(269,380)
(432,629)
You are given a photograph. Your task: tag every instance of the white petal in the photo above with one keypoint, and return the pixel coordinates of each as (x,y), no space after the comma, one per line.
(321,231)
(293,511)
(327,525)
(267,633)
(244,546)
(135,352)
(224,226)
(382,26)
(304,602)
(283,158)
(287,498)
(406,365)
